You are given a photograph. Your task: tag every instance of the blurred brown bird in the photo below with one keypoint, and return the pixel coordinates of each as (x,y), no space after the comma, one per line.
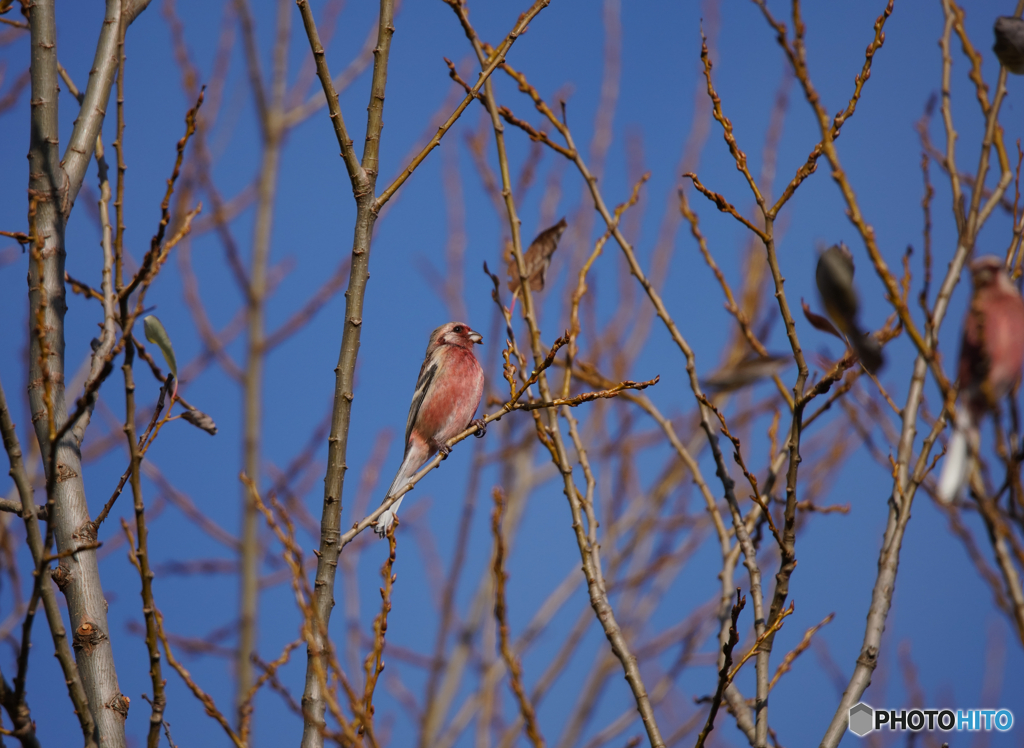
(834,277)
(991,358)
(745,373)
(537,260)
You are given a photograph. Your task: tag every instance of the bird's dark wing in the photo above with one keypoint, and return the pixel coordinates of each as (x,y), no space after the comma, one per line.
(427,372)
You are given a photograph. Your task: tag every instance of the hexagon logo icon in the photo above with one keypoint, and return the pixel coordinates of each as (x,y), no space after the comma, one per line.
(862,719)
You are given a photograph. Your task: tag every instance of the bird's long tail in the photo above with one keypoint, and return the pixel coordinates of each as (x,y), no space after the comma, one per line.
(957,463)
(405,473)
(413,461)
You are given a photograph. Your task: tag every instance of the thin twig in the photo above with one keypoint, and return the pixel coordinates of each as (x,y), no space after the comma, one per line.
(515,674)
(723,672)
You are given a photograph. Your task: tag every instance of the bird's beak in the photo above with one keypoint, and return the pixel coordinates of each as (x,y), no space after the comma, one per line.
(476,337)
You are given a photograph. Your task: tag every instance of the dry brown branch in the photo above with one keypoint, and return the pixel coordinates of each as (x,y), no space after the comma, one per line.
(733,309)
(552,439)
(269,675)
(684,347)
(787,661)
(724,205)
(786,538)
(82,288)
(157,253)
(374,663)
(269,98)
(770,631)
(592,377)
(538,136)
(723,673)
(140,553)
(278,521)
(40,550)
(18,236)
(1002,542)
(207,702)
(581,282)
(138,451)
(738,155)
(496,59)
(341,81)
(751,478)
(515,674)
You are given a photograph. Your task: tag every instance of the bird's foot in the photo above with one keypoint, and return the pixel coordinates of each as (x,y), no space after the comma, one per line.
(385,522)
(481,427)
(445,450)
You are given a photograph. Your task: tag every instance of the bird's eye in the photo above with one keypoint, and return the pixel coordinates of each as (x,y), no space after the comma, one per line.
(458,329)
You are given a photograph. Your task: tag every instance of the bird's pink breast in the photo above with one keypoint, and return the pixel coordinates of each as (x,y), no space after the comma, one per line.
(454,397)
(992,353)
(1004,341)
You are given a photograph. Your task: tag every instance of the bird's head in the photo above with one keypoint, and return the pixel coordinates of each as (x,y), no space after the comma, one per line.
(987,271)
(456,333)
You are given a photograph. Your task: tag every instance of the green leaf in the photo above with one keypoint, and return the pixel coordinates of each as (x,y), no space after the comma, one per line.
(157,335)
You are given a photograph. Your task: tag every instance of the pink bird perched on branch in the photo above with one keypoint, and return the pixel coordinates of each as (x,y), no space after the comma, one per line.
(991,357)
(447,395)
